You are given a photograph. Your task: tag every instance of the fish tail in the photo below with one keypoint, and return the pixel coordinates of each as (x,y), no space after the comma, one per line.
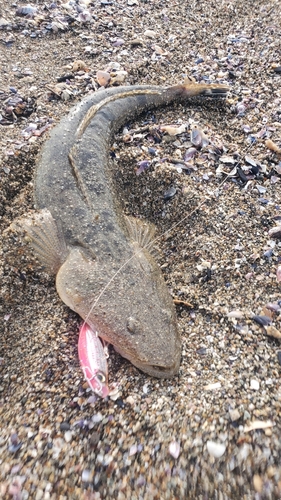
(191,89)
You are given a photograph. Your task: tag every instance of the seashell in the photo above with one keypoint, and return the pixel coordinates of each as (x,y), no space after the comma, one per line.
(216,450)
(79,65)
(198,138)
(85,16)
(189,154)
(272,146)
(262,133)
(4,23)
(272,332)
(228,159)
(278,274)
(118,77)
(240,109)
(159,51)
(275,232)
(242,175)
(103,78)
(174,449)
(212,387)
(150,33)
(113,66)
(66,95)
(262,320)
(173,130)
(258,424)
(118,42)
(250,161)
(261,189)
(235,314)
(170,193)
(28,10)
(143,165)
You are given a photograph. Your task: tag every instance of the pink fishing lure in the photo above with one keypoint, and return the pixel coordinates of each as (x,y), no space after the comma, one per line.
(93,360)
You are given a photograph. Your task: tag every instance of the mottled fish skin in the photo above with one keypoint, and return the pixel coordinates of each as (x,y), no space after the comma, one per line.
(74,184)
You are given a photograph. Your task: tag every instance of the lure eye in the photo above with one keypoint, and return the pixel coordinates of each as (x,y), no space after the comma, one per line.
(101,377)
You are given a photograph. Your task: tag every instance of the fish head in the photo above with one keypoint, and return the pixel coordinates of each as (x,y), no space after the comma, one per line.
(147,328)
(134,311)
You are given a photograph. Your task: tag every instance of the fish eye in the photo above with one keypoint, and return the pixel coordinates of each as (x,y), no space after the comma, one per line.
(100,376)
(133,325)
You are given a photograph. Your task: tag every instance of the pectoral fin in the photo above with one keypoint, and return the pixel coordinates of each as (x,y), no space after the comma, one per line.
(46,239)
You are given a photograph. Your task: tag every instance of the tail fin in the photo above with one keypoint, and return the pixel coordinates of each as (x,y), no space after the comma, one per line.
(189,89)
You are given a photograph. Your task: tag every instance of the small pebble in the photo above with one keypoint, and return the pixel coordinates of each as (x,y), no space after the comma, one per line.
(64,426)
(86,476)
(234,414)
(216,450)
(174,449)
(254,384)
(68,436)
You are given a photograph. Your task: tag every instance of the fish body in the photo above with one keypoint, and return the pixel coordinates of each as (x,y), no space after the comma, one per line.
(104,269)
(93,360)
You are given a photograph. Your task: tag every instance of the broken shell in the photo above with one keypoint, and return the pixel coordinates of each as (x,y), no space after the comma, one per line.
(198,138)
(228,159)
(118,77)
(189,154)
(143,165)
(170,193)
(250,161)
(258,424)
(118,42)
(173,130)
(27,10)
(272,146)
(261,189)
(103,78)
(235,314)
(278,274)
(79,65)
(159,51)
(262,320)
(149,33)
(85,16)
(272,332)
(275,232)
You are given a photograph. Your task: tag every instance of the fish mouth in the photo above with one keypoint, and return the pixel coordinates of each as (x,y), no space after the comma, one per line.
(158,371)
(153,369)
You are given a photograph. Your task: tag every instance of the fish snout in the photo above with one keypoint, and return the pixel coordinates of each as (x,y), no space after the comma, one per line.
(160,370)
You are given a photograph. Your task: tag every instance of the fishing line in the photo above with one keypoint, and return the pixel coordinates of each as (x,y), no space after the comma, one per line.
(154,240)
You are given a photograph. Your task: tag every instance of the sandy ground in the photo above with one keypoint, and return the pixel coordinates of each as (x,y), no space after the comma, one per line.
(213,432)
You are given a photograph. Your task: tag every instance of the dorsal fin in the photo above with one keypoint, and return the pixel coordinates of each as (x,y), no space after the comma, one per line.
(143,233)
